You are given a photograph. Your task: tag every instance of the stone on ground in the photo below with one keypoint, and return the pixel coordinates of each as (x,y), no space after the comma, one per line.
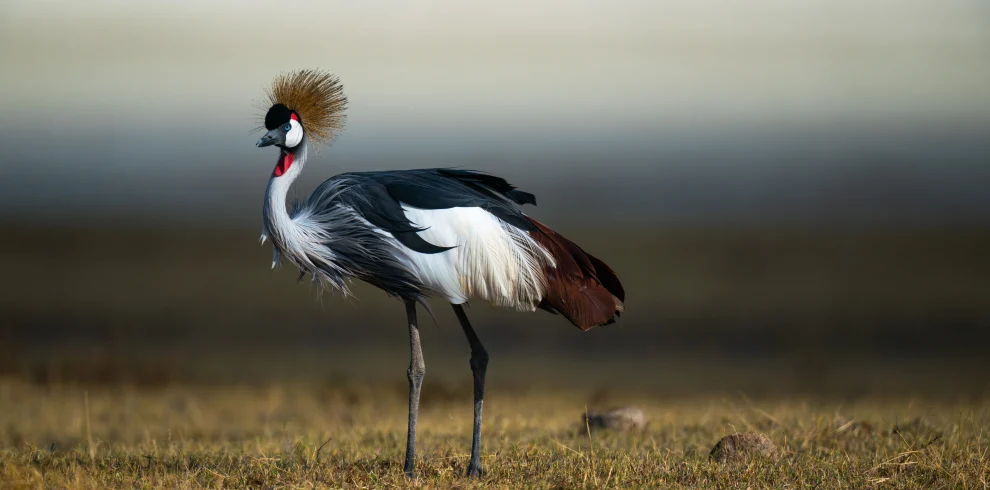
(741,447)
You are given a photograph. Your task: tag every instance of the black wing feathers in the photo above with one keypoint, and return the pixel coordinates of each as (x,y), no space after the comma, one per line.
(377,196)
(490,182)
(374,203)
(444,188)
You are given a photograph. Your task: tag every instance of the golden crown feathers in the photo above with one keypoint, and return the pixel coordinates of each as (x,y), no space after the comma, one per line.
(316,96)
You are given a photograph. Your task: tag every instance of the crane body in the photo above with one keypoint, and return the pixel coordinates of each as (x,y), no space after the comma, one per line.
(415,234)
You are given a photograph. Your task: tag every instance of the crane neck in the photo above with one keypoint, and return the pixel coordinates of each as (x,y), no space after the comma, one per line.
(288,167)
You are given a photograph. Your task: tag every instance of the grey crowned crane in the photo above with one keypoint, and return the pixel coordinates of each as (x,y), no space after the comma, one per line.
(456,234)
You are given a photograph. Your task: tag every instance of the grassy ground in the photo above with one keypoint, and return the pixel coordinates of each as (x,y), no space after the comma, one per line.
(303,437)
(863,320)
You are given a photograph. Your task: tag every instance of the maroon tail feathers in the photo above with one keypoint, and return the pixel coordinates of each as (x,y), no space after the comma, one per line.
(581,288)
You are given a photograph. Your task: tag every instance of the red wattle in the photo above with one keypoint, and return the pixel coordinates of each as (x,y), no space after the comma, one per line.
(284,162)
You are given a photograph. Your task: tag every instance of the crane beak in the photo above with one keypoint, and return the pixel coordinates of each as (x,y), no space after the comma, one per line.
(273,137)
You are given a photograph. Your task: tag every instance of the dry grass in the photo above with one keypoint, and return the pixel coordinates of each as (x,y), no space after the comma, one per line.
(300,437)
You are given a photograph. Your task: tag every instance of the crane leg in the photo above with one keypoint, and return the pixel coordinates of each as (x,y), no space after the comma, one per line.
(479,366)
(417,369)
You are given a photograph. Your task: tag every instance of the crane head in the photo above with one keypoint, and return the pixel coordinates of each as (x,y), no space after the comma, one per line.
(284,128)
(313,98)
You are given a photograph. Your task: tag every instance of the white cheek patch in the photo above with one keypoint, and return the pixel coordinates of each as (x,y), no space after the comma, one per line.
(294,136)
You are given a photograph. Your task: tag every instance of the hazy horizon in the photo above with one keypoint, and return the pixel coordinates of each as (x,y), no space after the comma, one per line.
(674,111)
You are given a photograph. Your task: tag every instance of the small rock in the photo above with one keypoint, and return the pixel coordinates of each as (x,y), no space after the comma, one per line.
(738,447)
(624,418)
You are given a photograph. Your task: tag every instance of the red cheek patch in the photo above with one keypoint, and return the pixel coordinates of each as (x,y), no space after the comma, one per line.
(284,162)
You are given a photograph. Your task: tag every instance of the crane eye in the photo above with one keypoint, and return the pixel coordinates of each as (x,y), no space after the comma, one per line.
(287,127)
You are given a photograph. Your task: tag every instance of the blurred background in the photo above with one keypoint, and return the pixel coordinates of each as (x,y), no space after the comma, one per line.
(793,193)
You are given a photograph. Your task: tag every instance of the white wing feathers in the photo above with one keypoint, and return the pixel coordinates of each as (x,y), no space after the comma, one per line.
(492,260)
